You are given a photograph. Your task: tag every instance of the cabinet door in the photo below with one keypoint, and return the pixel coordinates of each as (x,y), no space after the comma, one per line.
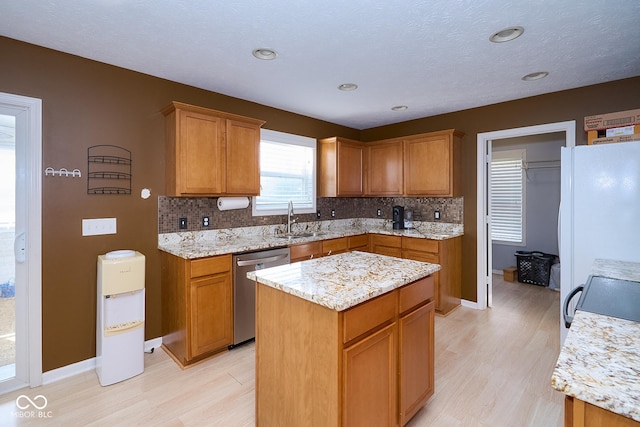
(200,150)
(416,360)
(242,158)
(335,246)
(350,169)
(384,168)
(211,314)
(369,388)
(428,166)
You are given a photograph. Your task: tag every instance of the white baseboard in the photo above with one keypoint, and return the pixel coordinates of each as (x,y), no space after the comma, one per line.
(470,304)
(86,365)
(500,272)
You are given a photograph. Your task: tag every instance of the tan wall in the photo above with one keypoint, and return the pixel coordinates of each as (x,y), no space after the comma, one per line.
(555,107)
(87,103)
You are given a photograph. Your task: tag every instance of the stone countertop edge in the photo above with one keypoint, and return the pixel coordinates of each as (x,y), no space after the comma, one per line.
(599,362)
(191,245)
(344,280)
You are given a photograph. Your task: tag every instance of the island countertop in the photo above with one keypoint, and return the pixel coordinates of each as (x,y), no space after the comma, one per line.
(344,280)
(600,360)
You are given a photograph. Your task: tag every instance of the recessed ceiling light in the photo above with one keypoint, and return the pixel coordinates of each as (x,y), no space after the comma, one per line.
(348,86)
(399,108)
(535,76)
(264,53)
(506,35)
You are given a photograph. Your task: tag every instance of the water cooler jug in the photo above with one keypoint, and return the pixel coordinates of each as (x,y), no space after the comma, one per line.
(120,316)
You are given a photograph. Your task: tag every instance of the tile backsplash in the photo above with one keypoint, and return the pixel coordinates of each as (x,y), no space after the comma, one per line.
(171,209)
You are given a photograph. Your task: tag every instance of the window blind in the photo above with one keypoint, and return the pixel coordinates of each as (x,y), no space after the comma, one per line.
(507,196)
(287,172)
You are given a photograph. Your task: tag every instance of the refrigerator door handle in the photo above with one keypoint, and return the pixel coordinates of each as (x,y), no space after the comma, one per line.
(565,312)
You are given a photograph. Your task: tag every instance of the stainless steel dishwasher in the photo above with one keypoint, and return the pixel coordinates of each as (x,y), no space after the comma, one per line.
(244,292)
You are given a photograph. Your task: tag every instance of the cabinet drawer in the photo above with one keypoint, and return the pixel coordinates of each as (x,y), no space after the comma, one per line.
(416,293)
(335,245)
(368,315)
(421,256)
(306,250)
(424,245)
(359,241)
(382,240)
(212,265)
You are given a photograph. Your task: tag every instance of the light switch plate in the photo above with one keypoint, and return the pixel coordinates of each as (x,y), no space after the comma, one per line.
(98,226)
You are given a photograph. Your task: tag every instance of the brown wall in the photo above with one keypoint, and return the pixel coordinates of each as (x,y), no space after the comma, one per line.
(87,103)
(554,107)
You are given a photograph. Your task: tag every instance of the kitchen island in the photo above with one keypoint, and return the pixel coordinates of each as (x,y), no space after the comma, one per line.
(599,365)
(344,340)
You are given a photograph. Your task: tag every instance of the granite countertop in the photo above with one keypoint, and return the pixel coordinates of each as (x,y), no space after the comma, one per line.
(199,244)
(344,280)
(600,360)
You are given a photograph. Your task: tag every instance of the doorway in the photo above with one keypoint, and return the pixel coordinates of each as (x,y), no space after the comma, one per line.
(21,246)
(484,243)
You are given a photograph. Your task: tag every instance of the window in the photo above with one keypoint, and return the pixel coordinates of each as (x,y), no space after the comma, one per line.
(507,196)
(287,172)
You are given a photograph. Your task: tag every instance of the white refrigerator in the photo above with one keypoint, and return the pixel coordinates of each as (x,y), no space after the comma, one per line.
(599,210)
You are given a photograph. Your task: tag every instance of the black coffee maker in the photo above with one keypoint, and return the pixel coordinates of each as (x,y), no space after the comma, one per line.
(398,217)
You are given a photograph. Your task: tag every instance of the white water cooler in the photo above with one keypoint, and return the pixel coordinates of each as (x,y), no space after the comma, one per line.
(120,316)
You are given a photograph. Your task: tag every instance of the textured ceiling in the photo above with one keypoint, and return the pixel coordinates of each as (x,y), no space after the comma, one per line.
(433,56)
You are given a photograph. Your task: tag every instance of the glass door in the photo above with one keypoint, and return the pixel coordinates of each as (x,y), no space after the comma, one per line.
(7,239)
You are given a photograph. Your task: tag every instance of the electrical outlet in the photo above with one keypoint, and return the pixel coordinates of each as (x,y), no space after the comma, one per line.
(318,214)
(436,215)
(205,221)
(379,212)
(333,213)
(182,223)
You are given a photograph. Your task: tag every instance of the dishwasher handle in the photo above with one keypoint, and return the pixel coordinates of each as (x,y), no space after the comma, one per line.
(244,263)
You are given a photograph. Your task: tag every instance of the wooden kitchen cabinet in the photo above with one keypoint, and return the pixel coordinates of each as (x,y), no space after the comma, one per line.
(416,360)
(335,246)
(447,281)
(305,251)
(369,365)
(197,306)
(359,243)
(386,245)
(578,413)
(384,168)
(211,153)
(340,167)
(432,164)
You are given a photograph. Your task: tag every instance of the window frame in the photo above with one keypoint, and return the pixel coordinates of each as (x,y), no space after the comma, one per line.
(519,154)
(290,139)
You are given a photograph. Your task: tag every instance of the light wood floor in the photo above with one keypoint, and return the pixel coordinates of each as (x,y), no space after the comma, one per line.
(493,368)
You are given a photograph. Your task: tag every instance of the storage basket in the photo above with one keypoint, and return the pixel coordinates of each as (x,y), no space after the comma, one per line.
(534,267)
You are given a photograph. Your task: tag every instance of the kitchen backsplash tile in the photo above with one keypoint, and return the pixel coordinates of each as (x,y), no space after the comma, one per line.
(171,209)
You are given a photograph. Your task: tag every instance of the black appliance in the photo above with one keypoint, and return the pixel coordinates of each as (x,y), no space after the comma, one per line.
(398,218)
(602,295)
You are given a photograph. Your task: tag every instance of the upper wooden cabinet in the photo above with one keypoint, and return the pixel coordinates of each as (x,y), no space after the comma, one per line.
(340,167)
(432,164)
(384,168)
(210,152)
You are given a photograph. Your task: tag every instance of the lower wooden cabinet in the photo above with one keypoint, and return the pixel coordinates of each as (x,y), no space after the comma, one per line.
(578,413)
(305,251)
(447,253)
(369,369)
(197,306)
(370,365)
(416,360)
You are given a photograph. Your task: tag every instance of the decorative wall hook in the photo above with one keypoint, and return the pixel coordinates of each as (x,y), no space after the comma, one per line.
(63,172)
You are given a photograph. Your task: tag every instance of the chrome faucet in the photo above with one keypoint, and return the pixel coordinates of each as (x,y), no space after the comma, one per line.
(290,219)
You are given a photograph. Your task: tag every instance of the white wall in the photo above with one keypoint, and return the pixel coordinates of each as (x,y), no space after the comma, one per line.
(542,197)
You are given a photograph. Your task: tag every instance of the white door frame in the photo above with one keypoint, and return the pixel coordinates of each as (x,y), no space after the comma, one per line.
(483,213)
(29,111)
